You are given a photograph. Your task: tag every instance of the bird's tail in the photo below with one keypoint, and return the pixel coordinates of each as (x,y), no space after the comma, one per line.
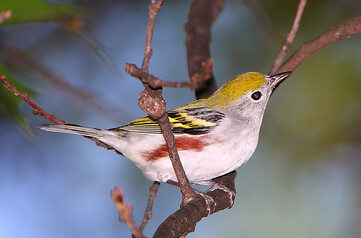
(79,130)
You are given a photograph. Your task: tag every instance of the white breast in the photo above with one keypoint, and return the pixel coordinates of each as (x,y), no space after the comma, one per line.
(229,149)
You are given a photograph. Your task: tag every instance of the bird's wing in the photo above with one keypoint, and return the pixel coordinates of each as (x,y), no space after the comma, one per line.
(194,121)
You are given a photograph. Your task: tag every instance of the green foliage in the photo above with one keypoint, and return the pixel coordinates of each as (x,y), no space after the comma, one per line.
(9,103)
(28,11)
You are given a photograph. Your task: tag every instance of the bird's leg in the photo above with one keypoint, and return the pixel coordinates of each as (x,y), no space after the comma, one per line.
(213,186)
(208,199)
(174,183)
(205,183)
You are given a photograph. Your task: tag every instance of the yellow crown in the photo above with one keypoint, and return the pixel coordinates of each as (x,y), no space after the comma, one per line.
(232,90)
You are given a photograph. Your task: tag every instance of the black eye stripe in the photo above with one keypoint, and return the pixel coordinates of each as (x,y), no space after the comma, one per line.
(256,95)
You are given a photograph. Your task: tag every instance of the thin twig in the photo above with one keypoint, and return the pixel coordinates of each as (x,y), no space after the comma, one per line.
(4,16)
(125,211)
(185,186)
(148,211)
(156,83)
(37,109)
(343,31)
(153,10)
(290,38)
(152,102)
(153,81)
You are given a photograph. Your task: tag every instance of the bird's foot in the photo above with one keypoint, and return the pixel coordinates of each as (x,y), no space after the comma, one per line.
(219,186)
(208,199)
(215,186)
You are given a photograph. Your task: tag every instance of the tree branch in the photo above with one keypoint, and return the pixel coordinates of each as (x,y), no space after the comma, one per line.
(198,29)
(185,219)
(37,109)
(343,31)
(148,211)
(290,38)
(156,83)
(154,7)
(151,80)
(151,101)
(125,212)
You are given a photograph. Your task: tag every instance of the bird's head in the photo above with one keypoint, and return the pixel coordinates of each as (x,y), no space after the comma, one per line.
(247,93)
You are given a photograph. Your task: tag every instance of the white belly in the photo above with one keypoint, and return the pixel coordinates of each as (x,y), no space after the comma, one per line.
(225,154)
(215,160)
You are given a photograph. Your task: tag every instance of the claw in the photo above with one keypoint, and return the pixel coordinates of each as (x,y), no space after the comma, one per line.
(216,186)
(209,200)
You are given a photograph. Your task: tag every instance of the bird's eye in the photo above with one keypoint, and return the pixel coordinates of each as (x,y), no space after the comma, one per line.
(256,95)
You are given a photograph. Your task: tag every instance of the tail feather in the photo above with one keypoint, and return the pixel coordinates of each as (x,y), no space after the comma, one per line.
(79,130)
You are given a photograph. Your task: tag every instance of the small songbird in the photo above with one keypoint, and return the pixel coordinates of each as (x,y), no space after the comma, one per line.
(214,136)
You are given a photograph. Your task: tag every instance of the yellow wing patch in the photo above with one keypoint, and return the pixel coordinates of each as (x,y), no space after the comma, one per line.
(194,121)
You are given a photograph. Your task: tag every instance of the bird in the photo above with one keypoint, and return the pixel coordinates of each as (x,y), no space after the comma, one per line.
(213,136)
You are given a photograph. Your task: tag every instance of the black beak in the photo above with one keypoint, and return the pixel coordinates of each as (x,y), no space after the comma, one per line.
(276,79)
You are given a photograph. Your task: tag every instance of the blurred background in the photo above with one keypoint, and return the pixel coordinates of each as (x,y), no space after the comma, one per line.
(303,181)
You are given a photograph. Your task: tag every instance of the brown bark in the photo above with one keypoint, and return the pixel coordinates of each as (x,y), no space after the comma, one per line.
(198,29)
(185,219)
(343,31)
(290,38)
(38,110)
(148,211)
